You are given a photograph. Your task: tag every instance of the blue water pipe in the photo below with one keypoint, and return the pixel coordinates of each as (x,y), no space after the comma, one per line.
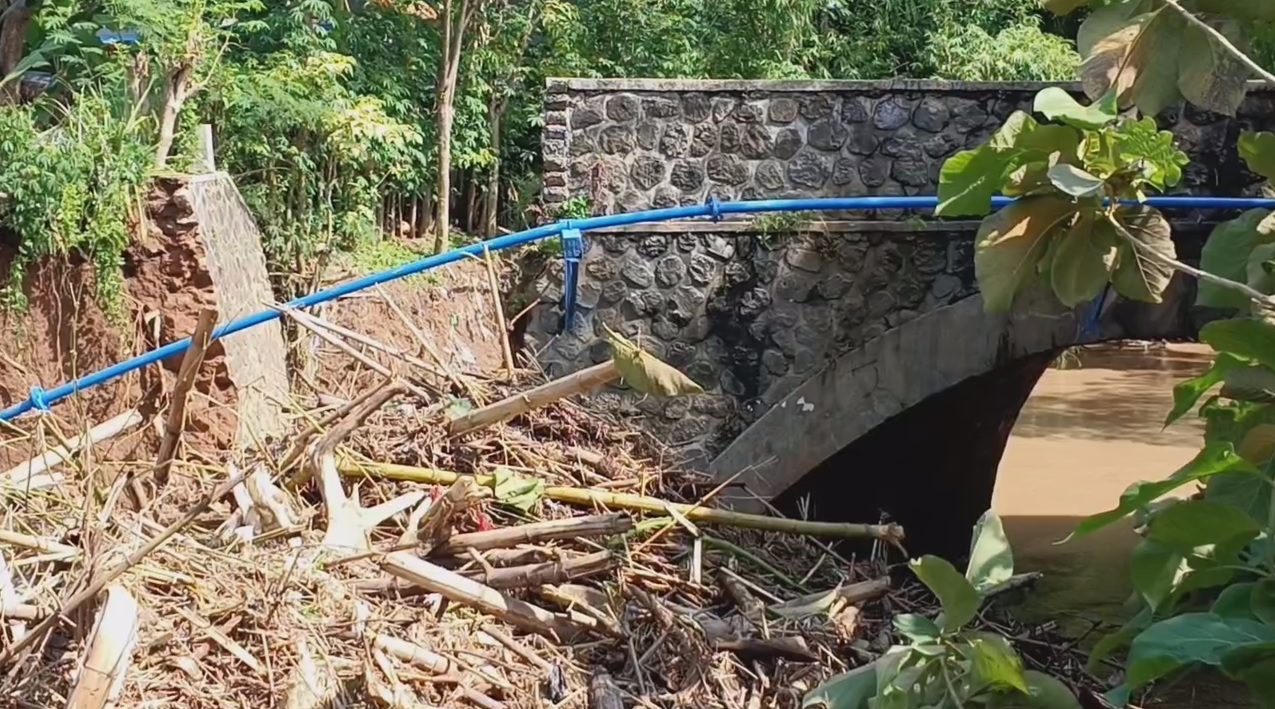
(41,400)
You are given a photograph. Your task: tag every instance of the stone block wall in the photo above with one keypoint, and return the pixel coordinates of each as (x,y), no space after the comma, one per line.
(752,306)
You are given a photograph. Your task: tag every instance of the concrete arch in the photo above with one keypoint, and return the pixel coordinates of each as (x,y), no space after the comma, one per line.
(869,385)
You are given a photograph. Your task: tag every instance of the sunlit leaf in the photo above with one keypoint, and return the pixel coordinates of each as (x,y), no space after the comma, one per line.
(1043,692)
(969,179)
(916,628)
(1139,274)
(1187,393)
(1058,105)
(1213,460)
(995,664)
(1196,523)
(1010,244)
(1258,151)
(1226,254)
(646,373)
(1249,493)
(991,559)
(516,491)
(1074,181)
(1199,638)
(1154,151)
(1083,259)
(957,597)
(1250,338)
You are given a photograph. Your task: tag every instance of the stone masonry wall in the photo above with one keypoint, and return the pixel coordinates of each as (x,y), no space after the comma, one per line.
(750,307)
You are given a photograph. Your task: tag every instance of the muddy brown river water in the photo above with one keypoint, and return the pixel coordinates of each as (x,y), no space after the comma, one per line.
(1086,433)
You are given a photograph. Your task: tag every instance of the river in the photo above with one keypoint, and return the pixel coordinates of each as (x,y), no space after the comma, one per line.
(1087,432)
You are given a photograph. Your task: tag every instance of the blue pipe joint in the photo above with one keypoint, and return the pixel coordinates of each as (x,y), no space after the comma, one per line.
(39,399)
(714,208)
(572,252)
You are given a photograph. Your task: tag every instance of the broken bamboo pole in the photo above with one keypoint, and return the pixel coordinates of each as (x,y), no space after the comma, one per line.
(175,423)
(543,395)
(109,653)
(568,528)
(589,497)
(23,475)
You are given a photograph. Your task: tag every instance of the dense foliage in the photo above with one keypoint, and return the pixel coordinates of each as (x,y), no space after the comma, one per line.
(327,111)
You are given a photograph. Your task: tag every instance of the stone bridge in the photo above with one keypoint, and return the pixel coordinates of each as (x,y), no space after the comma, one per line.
(842,355)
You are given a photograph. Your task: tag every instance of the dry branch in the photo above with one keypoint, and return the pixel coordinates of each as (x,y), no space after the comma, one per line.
(569,528)
(24,475)
(485,599)
(109,654)
(175,423)
(505,352)
(589,497)
(547,572)
(543,395)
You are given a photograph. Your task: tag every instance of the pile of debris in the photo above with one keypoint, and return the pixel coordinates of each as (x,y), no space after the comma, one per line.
(428,538)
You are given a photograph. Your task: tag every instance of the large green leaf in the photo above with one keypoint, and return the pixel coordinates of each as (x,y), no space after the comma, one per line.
(1250,338)
(991,559)
(1197,523)
(1113,641)
(645,372)
(1213,460)
(1235,601)
(1058,105)
(1010,244)
(1202,638)
(1156,570)
(969,179)
(1249,493)
(916,628)
(957,597)
(1153,57)
(1074,181)
(1255,666)
(849,690)
(995,665)
(1139,275)
(1263,601)
(1258,150)
(1083,259)
(1043,692)
(1260,272)
(1226,254)
(1188,392)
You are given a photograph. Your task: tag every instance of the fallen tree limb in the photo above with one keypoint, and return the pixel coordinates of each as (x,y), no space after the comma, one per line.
(23,475)
(485,599)
(543,395)
(568,528)
(589,497)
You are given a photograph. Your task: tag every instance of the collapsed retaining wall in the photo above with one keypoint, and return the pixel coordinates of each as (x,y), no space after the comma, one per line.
(196,247)
(749,307)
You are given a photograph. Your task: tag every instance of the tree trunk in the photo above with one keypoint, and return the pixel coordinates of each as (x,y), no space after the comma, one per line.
(176,90)
(13,45)
(471,202)
(412,232)
(453,40)
(491,207)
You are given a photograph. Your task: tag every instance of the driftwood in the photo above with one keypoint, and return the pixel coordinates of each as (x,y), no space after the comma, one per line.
(458,589)
(109,653)
(175,423)
(543,395)
(589,497)
(29,475)
(569,528)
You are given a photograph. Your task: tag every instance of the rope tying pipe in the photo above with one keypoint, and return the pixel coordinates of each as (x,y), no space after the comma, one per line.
(41,400)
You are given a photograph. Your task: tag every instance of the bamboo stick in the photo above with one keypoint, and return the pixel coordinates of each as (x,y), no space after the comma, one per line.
(569,528)
(505,352)
(588,497)
(23,473)
(543,395)
(547,572)
(109,653)
(458,589)
(175,423)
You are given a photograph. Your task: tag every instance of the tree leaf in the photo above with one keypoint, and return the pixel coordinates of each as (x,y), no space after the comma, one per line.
(1226,254)
(957,597)
(1058,105)
(1074,181)
(516,491)
(1258,151)
(991,559)
(1083,259)
(1064,7)
(1209,76)
(849,690)
(1138,275)
(1111,642)
(1203,638)
(1213,460)
(806,607)
(1263,601)
(916,628)
(1187,393)
(1010,244)
(646,373)
(1154,151)
(1258,444)
(1249,338)
(1196,523)
(1156,570)
(1043,692)
(995,665)
(1255,666)
(1235,601)
(968,180)
(1246,492)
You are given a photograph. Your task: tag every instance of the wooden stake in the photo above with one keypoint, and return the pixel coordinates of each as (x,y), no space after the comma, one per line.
(502,328)
(176,421)
(543,395)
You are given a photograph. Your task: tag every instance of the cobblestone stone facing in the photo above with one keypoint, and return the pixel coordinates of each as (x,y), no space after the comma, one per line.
(751,316)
